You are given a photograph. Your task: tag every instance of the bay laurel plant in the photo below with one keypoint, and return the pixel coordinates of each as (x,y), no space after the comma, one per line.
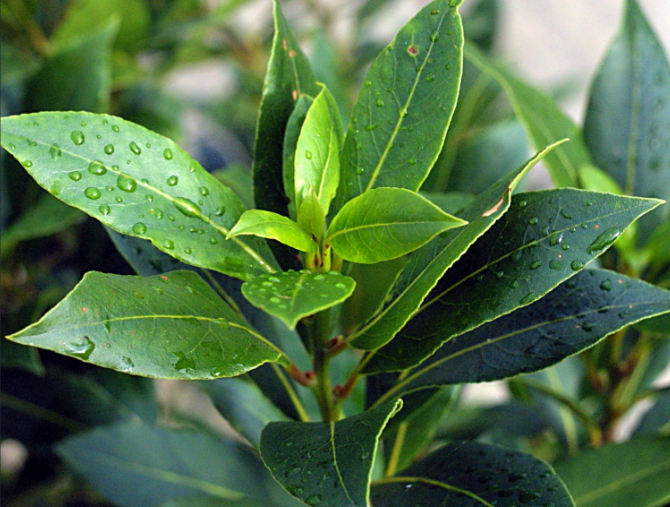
(350,307)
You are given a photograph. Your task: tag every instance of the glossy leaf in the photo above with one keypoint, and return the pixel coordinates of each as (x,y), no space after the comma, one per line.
(288,77)
(77,76)
(311,217)
(293,128)
(138,183)
(166,326)
(326,463)
(48,216)
(473,475)
(244,406)
(404,108)
(427,265)
(385,223)
(639,479)
(626,125)
(544,122)
(136,465)
(292,295)
(575,315)
(545,238)
(267,224)
(317,159)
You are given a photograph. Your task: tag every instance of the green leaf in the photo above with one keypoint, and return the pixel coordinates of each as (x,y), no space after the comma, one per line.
(292,295)
(267,224)
(288,77)
(451,202)
(293,128)
(311,217)
(138,183)
(83,16)
(574,316)
(627,109)
(385,223)
(404,108)
(47,217)
(166,326)
(659,243)
(544,121)
(657,325)
(597,180)
(238,179)
(317,160)
(482,23)
(244,406)
(545,238)
(16,65)
(76,76)
(631,474)
(326,463)
(474,475)
(656,420)
(18,356)
(426,266)
(137,465)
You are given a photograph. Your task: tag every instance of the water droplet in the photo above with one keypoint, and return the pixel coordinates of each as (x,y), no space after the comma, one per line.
(187,250)
(584,226)
(576,265)
(172,181)
(546,230)
(134,148)
(606,285)
(379,103)
(360,170)
(213,240)
(127,364)
(434,12)
(371,127)
(138,294)
(96,167)
(171,217)
(412,161)
(220,211)
(204,191)
(109,149)
(523,204)
(104,209)
(430,77)
(533,221)
(604,240)
(564,213)
(126,183)
(55,151)
(187,207)
(27,163)
(308,155)
(368,83)
(118,199)
(274,299)
(527,299)
(313,500)
(139,228)
(168,244)
(92,193)
(77,137)
(74,175)
(535,264)
(81,348)
(589,203)
(555,264)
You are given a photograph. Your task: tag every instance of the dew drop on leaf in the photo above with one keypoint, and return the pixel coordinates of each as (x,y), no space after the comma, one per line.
(96,167)
(74,175)
(526,299)
(167,154)
(604,240)
(135,148)
(77,137)
(555,264)
(576,265)
(533,221)
(204,191)
(535,264)
(220,211)
(109,149)
(187,207)
(104,209)
(379,103)
(308,155)
(92,193)
(126,183)
(139,228)
(371,127)
(172,181)
(55,151)
(82,348)
(168,244)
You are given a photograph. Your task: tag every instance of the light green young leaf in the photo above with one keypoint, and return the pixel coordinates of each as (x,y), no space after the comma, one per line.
(628,108)
(474,475)
(335,458)
(139,183)
(292,295)
(311,217)
(288,77)
(544,238)
(166,326)
(385,223)
(267,224)
(427,265)
(293,128)
(317,159)
(544,121)
(639,479)
(405,106)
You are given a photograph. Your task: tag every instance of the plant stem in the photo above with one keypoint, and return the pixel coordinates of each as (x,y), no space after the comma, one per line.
(392,465)
(323,388)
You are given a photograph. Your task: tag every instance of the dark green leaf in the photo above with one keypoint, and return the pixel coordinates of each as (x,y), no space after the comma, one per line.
(657,418)
(481,23)
(626,126)
(575,315)
(208,501)
(326,463)
(19,356)
(426,266)
(16,65)
(544,122)
(631,474)
(451,202)
(267,224)
(317,159)
(137,465)
(47,217)
(292,295)
(243,405)
(139,183)
(288,77)
(544,239)
(238,179)
(385,223)
(162,326)
(76,76)
(657,325)
(293,128)
(659,243)
(405,106)
(473,475)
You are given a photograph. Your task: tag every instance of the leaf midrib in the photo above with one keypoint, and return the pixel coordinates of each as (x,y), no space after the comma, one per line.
(432,482)
(391,224)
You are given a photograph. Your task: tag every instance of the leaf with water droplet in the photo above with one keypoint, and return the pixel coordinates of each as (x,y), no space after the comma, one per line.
(152,334)
(82,172)
(479,473)
(293,295)
(343,450)
(266,224)
(460,302)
